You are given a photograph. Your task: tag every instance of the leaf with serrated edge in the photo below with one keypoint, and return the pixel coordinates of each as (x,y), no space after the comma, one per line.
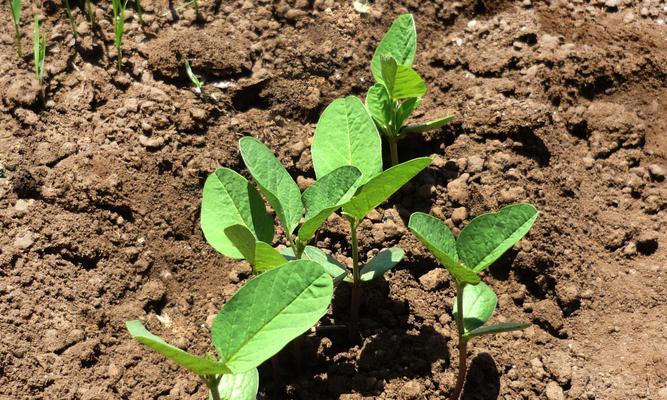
(401,81)
(400,42)
(346,135)
(488,236)
(383,186)
(334,268)
(269,311)
(260,255)
(325,196)
(379,105)
(199,365)
(439,240)
(241,386)
(274,181)
(496,328)
(479,302)
(229,199)
(381,263)
(427,126)
(405,110)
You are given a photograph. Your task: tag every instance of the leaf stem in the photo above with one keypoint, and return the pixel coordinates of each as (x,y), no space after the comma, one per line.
(463,351)
(393,149)
(212,383)
(18,40)
(356,282)
(68,11)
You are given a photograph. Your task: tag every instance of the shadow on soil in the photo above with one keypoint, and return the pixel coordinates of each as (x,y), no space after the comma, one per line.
(483,380)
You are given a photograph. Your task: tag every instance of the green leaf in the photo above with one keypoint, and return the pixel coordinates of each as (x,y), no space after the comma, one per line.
(428,126)
(488,236)
(16,11)
(274,181)
(379,105)
(479,302)
(241,386)
(199,365)
(334,268)
(269,311)
(381,187)
(229,200)
(406,109)
(260,255)
(325,196)
(401,81)
(439,240)
(381,263)
(497,328)
(400,42)
(346,135)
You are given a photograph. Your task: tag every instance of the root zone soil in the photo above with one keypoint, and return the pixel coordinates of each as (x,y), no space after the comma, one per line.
(563,104)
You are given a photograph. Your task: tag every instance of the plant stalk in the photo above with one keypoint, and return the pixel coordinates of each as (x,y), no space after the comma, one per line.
(68,10)
(393,149)
(91,13)
(119,60)
(212,383)
(463,348)
(19,50)
(356,284)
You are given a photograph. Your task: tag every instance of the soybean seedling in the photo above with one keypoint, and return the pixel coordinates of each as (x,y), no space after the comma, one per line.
(256,323)
(480,243)
(68,11)
(39,52)
(346,136)
(118,27)
(199,86)
(399,88)
(15,6)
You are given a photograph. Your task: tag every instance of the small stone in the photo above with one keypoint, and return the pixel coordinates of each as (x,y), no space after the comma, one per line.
(459,215)
(554,392)
(559,365)
(303,182)
(643,12)
(294,13)
(589,162)
(190,15)
(657,172)
(151,142)
(475,164)
(611,3)
(513,195)
(458,189)
(629,17)
(411,390)
(24,241)
(21,206)
(630,250)
(433,279)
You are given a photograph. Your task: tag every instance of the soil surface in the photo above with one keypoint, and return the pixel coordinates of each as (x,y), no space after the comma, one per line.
(560,103)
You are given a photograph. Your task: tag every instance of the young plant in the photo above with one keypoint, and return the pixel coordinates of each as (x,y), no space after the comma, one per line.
(39,52)
(256,323)
(399,88)
(88,5)
(68,11)
(15,6)
(481,242)
(346,136)
(195,4)
(118,27)
(199,86)
(140,11)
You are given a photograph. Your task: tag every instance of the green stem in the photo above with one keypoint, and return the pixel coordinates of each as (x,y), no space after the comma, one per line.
(119,59)
(140,12)
(212,383)
(18,40)
(463,350)
(393,149)
(356,282)
(91,13)
(298,247)
(68,10)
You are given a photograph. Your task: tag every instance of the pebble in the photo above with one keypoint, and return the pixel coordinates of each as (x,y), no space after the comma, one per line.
(589,162)
(458,189)
(24,241)
(459,215)
(433,279)
(554,392)
(475,164)
(657,172)
(559,365)
(611,3)
(513,194)
(21,206)
(151,142)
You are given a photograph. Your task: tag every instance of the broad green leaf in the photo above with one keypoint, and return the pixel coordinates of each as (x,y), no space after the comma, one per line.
(406,109)
(479,302)
(325,196)
(269,311)
(379,105)
(241,386)
(488,236)
(497,328)
(229,199)
(381,187)
(260,255)
(199,365)
(428,126)
(346,135)
(274,181)
(334,268)
(439,240)
(400,42)
(381,263)
(401,81)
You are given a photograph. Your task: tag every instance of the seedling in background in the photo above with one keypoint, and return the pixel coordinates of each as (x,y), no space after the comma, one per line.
(399,88)
(88,5)
(118,27)
(140,11)
(346,136)
(39,52)
(199,86)
(68,11)
(15,6)
(256,323)
(481,242)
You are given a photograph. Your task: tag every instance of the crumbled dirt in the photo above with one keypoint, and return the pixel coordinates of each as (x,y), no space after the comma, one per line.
(560,103)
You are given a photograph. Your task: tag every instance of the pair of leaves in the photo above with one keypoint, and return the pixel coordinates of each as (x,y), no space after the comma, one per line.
(479,244)
(479,303)
(259,320)
(400,81)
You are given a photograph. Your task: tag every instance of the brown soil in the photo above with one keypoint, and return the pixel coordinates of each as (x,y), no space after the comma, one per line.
(560,103)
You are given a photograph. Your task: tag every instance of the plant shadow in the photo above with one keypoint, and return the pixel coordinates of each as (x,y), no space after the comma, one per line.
(483,379)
